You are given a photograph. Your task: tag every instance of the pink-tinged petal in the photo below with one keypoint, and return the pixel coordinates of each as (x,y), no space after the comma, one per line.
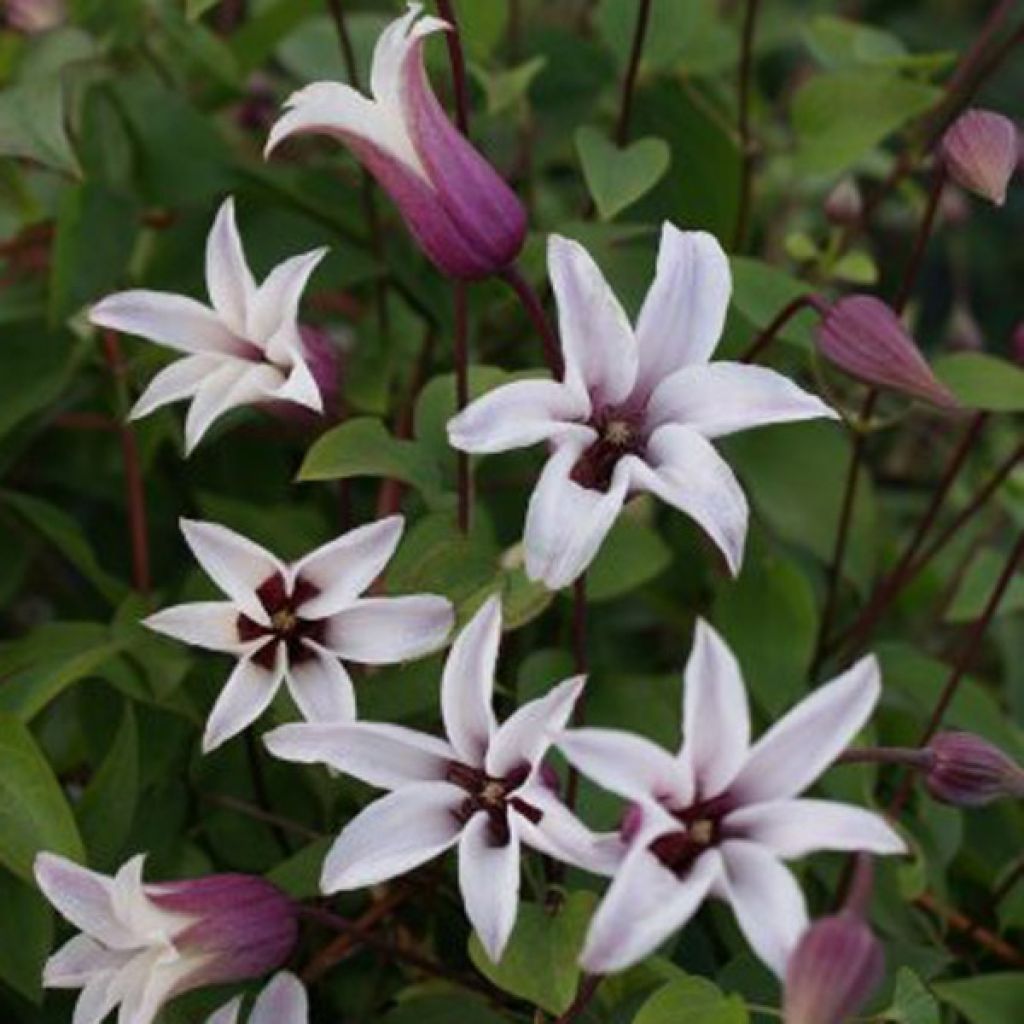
(342,569)
(643,906)
(236,564)
(150,981)
(79,960)
(283,1001)
(467,684)
(320,687)
(235,384)
(567,523)
(228,278)
(176,321)
(133,907)
(798,748)
(182,379)
(98,998)
(766,900)
(387,630)
(209,624)
(392,49)
(716,717)
(276,304)
(388,756)
(628,764)
(684,470)
(525,737)
(393,835)
(981,150)
(227,1014)
(724,398)
(300,387)
(489,882)
(597,340)
(682,317)
(520,414)
(795,828)
(246,695)
(83,897)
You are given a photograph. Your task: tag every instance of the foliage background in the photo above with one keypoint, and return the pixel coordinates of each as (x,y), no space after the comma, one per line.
(122,131)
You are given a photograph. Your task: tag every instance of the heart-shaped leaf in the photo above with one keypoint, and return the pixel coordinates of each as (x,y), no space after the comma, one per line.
(617,177)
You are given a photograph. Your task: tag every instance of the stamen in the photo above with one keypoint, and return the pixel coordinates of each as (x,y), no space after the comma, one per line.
(284,620)
(618,433)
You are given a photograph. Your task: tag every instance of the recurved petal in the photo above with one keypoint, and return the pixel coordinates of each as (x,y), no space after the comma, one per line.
(228,278)
(489,881)
(276,303)
(387,630)
(320,686)
(209,624)
(798,748)
(393,835)
(246,695)
(182,379)
(300,385)
(233,385)
(283,1001)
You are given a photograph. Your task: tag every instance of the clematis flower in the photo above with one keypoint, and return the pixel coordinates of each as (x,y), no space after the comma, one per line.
(720,816)
(141,945)
(637,410)
(247,347)
(482,788)
(283,1001)
(460,211)
(295,623)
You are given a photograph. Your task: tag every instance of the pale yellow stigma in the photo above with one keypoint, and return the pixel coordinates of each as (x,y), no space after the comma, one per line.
(618,433)
(492,794)
(284,621)
(701,832)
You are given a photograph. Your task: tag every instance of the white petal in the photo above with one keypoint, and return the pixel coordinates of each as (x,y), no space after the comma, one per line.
(684,312)
(209,624)
(379,754)
(150,981)
(387,630)
(176,321)
(489,881)
(628,764)
(235,384)
(393,835)
(276,303)
(716,718)
(468,684)
(798,748)
(246,695)
(320,687)
(227,1014)
(525,737)
(643,906)
(724,398)
(683,469)
(519,414)
(283,1001)
(597,340)
(300,386)
(566,523)
(342,569)
(766,899)
(98,998)
(149,923)
(393,49)
(795,828)
(78,960)
(228,278)
(181,379)
(236,564)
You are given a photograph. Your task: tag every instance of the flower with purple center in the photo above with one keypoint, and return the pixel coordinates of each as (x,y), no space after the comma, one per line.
(282,1001)
(637,409)
(720,816)
(246,347)
(142,945)
(483,788)
(295,623)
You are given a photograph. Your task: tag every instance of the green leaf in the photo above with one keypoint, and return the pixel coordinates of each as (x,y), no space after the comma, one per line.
(616,177)
(982,381)
(32,124)
(841,43)
(633,554)
(761,291)
(34,814)
(841,116)
(443,1009)
(539,964)
(507,87)
(912,1003)
(363,447)
(856,267)
(299,875)
(311,52)
(481,27)
(195,9)
(987,998)
(26,937)
(692,1001)
(977,586)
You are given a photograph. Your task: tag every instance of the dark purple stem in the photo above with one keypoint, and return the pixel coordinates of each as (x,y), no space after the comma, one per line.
(747,148)
(580,662)
(453,40)
(767,336)
(535,311)
(584,994)
(465,482)
(629,82)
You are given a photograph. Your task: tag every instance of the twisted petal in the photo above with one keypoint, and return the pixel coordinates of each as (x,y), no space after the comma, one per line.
(182,379)
(275,307)
(209,624)
(489,881)
(386,630)
(246,695)
(228,278)
(320,686)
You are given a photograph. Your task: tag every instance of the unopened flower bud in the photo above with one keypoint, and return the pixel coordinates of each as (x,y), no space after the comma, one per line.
(35,16)
(844,204)
(1017,344)
(981,151)
(836,966)
(863,336)
(964,334)
(323,357)
(954,206)
(968,771)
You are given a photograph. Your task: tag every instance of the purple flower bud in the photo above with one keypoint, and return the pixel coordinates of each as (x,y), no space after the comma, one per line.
(35,16)
(836,966)
(323,357)
(1017,344)
(964,334)
(863,336)
(981,151)
(968,771)
(954,206)
(844,204)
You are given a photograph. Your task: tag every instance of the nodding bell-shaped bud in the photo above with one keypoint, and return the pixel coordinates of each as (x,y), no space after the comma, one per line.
(864,337)
(836,966)
(967,771)
(844,204)
(35,16)
(981,150)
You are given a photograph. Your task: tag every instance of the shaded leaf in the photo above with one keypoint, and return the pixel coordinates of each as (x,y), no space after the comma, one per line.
(981,381)
(616,177)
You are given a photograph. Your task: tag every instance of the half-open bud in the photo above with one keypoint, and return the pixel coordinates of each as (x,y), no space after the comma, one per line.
(844,205)
(981,150)
(968,771)
(836,966)
(863,336)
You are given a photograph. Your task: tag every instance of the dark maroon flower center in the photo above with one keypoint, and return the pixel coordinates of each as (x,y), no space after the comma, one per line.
(492,796)
(287,626)
(620,432)
(702,829)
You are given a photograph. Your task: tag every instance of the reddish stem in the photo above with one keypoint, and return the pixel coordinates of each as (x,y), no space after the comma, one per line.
(629,82)
(747,149)
(580,661)
(584,994)
(453,40)
(790,310)
(535,311)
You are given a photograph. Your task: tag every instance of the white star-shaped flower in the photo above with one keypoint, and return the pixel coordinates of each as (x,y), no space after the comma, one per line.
(637,409)
(246,347)
(720,816)
(293,622)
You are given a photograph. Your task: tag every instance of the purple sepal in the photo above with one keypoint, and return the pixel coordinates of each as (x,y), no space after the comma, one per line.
(968,771)
(981,150)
